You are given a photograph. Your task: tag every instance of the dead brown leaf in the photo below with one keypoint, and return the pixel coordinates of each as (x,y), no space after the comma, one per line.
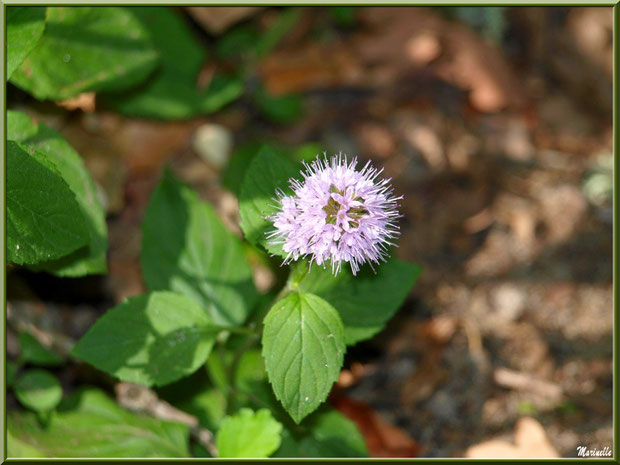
(382,438)
(216,19)
(308,67)
(401,39)
(84,102)
(530,442)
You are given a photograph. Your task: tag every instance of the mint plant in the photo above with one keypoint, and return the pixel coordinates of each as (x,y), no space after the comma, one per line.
(254,368)
(202,307)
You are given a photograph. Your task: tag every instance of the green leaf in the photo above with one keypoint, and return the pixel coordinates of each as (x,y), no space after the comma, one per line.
(24,27)
(273,35)
(18,448)
(222,90)
(43,219)
(19,126)
(217,369)
(327,434)
(344,15)
(246,43)
(267,173)
(303,347)
(238,42)
(155,338)
(186,248)
(199,451)
(31,351)
(86,260)
(250,370)
(248,434)
(234,173)
(86,49)
(171,92)
(367,301)
(89,424)
(308,152)
(283,109)
(38,390)
(11,371)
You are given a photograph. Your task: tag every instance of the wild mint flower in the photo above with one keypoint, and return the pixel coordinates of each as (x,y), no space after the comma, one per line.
(337,214)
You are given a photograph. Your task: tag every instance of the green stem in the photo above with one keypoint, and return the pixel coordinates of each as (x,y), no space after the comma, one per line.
(234,366)
(298,273)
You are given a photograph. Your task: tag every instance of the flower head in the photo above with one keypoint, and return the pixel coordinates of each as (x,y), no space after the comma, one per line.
(337,214)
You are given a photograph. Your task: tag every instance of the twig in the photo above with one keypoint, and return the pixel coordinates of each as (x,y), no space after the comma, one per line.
(523,381)
(142,399)
(20,318)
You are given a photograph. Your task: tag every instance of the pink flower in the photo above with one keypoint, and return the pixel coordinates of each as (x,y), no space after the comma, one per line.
(337,214)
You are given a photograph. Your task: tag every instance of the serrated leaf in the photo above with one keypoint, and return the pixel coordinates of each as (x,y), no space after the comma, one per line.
(303,347)
(248,434)
(86,260)
(367,301)
(327,433)
(267,172)
(43,219)
(86,49)
(38,390)
(187,249)
(89,424)
(155,338)
(24,27)
(31,351)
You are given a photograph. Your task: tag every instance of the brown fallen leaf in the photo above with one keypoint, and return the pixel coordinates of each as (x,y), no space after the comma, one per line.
(84,102)
(309,66)
(382,438)
(216,19)
(530,442)
(147,145)
(401,39)
(392,44)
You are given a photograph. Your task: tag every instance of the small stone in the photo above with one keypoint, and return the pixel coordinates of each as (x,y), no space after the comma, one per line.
(508,301)
(213,143)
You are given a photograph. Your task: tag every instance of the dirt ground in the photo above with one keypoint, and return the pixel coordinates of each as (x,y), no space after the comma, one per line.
(502,149)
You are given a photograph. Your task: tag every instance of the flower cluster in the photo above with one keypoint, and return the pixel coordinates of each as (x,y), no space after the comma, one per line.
(337,214)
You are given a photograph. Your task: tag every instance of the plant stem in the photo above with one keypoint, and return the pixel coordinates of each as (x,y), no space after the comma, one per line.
(298,273)
(234,365)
